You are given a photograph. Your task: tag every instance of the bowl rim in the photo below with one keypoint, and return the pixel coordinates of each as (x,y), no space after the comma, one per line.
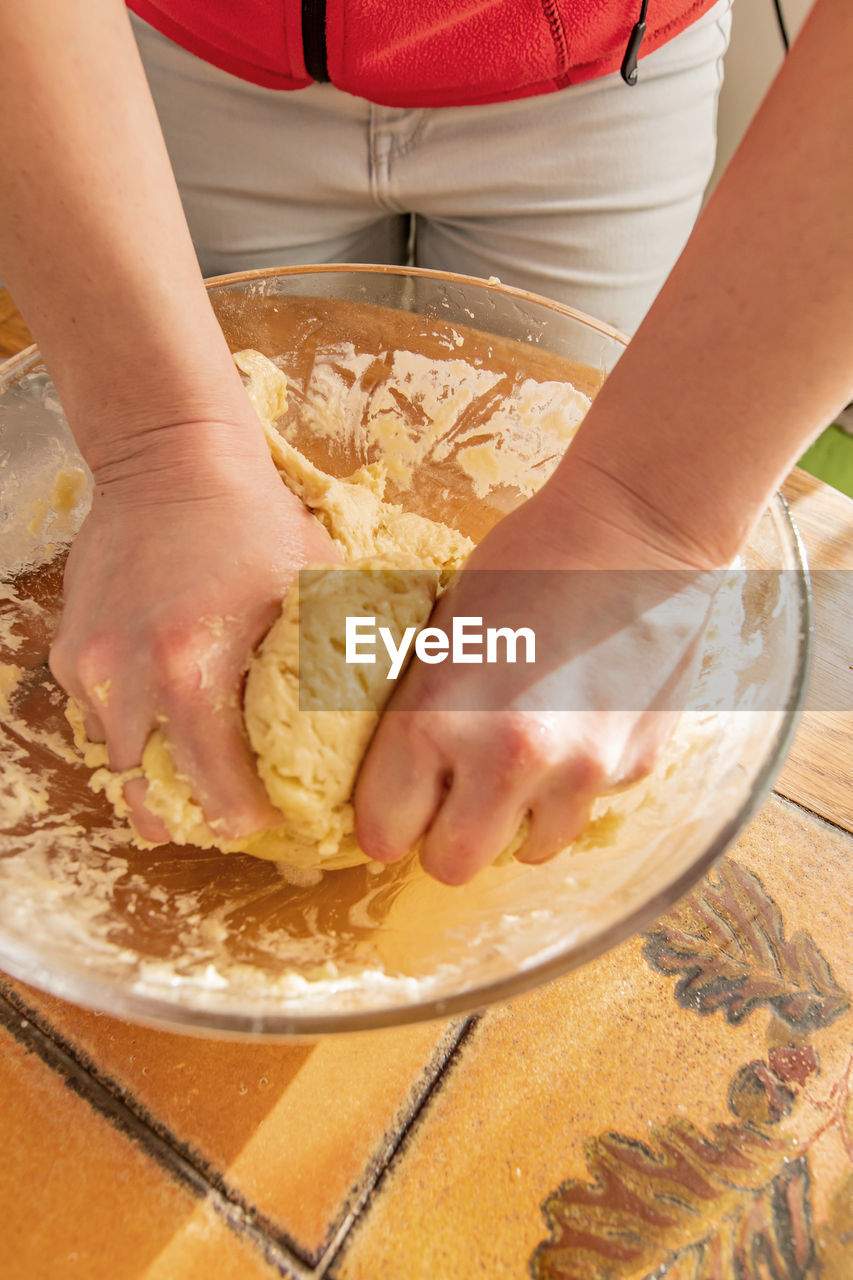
(451,277)
(32,354)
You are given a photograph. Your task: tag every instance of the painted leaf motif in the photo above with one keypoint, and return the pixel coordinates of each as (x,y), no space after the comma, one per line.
(727,941)
(648,1203)
(771,1239)
(773,1236)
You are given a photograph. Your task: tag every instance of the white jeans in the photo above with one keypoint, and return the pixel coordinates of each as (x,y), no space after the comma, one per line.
(586,195)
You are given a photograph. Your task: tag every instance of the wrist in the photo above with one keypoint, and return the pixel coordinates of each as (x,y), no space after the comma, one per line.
(159,417)
(185,460)
(140,374)
(613,524)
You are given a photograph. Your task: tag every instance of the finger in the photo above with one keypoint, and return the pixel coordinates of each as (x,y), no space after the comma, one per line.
(92,724)
(126,727)
(126,730)
(94,727)
(474,825)
(212,752)
(83,676)
(641,752)
(553,827)
(651,737)
(65,675)
(145,823)
(399,789)
(561,808)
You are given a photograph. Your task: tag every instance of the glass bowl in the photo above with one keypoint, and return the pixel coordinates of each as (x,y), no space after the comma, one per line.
(227,944)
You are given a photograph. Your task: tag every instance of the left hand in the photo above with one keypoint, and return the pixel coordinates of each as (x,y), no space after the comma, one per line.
(175,576)
(469,752)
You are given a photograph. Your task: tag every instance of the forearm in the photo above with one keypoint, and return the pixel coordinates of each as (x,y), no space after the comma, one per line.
(93,242)
(748,350)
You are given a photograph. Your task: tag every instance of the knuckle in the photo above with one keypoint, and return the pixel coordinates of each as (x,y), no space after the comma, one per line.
(177,656)
(454,855)
(61,664)
(453,866)
(373,835)
(527,744)
(589,774)
(85,664)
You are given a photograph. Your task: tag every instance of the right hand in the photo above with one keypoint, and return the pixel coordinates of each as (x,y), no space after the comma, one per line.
(173,579)
(471,753)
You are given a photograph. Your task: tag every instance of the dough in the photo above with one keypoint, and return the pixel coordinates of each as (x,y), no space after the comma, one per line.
(309,759)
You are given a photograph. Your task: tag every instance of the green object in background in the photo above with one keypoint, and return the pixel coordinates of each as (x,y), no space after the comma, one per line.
(830,458)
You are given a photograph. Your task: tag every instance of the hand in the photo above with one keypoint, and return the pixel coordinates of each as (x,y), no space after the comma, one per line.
(173,579)
(469,752)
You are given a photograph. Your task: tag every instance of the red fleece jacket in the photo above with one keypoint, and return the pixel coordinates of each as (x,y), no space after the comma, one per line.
(421,53)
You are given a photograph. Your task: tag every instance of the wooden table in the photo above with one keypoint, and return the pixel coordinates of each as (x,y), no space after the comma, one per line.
(679,1108)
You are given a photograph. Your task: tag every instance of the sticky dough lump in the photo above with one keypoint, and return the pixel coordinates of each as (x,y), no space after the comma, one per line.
(308,759)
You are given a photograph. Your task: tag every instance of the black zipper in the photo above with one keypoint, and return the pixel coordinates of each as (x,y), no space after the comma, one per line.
(314,40)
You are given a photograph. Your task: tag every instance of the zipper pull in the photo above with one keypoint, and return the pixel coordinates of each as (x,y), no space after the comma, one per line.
(629,71)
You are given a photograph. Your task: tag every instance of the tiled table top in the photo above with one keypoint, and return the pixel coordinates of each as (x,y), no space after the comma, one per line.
(679,1108)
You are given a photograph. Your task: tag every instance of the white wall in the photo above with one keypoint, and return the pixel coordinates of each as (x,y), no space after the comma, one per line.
(754,57)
